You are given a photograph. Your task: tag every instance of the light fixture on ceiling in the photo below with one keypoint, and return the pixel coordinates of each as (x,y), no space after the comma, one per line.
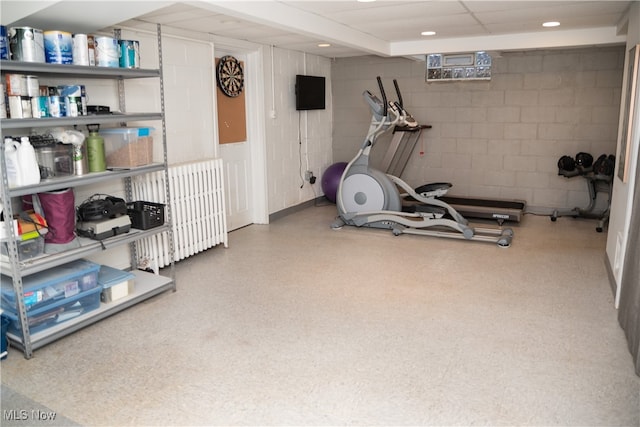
(324,44)
(550,24)
(428,33)
(365,1)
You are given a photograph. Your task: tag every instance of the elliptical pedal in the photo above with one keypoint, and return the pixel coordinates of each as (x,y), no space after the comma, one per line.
(425,210)
(434,189)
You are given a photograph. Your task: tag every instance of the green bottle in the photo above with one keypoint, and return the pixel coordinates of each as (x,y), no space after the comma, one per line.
(95,150)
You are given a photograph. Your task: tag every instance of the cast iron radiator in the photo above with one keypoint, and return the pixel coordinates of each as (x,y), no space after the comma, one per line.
(197,210)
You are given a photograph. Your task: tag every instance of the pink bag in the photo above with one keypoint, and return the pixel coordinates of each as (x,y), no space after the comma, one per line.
(60,212)
(58,208)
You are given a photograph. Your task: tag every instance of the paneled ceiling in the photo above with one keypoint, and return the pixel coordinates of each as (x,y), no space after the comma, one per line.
(350,27)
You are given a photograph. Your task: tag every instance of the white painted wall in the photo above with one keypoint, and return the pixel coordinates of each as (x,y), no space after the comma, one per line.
(297,141)
(190,114)
(622,207)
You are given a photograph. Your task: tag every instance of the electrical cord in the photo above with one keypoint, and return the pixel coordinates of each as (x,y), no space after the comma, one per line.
(300,149)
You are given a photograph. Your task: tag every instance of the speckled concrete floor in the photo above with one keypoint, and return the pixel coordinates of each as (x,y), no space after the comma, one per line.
(298,324)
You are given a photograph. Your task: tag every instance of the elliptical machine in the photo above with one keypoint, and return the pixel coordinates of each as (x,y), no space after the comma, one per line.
(367,197)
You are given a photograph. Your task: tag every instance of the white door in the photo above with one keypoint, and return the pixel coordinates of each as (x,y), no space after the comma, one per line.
(244,160)
(237,165)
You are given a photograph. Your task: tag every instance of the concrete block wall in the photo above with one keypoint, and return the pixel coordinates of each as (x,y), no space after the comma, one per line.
(500,138)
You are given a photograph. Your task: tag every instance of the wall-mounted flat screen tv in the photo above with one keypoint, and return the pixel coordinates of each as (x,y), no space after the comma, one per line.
(310,92)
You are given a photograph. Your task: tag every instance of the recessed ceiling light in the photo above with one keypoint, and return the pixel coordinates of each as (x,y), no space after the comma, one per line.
(366,1)
(324,44)
(428,33)
(551,24)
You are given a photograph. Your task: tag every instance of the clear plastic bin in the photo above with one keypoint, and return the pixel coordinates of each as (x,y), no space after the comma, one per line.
(56,313)
(128,147)
(27,249)
(51,286)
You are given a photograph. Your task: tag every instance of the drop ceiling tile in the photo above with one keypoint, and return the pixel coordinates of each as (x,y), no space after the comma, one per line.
(400,12)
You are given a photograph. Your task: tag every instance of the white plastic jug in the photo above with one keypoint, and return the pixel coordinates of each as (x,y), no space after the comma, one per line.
(29,170)
(11,160)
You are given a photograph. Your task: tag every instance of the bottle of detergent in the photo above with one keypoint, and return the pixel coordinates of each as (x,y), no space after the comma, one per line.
(11,160)
(28,162)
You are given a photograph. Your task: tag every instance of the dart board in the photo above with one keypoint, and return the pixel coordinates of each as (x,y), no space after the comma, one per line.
(230,76)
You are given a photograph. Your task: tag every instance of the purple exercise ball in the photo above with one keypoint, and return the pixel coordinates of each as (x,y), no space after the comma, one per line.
(331,180)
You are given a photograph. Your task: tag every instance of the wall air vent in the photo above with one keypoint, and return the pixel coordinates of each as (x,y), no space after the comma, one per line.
(459,66)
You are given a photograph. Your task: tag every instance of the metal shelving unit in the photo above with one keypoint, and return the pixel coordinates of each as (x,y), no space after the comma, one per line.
(80,120)
(147,284)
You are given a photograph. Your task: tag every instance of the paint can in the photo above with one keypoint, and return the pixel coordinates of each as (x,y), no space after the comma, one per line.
(26,44)
(32,86)
(4,43)
(58,47)
(107,52)
(16,84)
(80,49)
(129,54)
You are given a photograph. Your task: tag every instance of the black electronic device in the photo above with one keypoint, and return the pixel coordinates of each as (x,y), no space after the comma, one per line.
(310,92)
(98,109)
(96,208)
(102,216)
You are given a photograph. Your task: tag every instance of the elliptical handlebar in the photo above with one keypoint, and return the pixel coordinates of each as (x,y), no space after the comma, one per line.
(384,96)
(385,113)
(400,102)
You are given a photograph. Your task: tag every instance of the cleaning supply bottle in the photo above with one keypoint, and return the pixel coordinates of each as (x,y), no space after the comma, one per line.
(28,162)
(11,162)
(95,150)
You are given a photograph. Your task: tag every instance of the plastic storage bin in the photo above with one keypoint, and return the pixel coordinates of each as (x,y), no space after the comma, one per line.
(27,249)
(58,312)
(3,336)
(116,284)
(49,287)
(128,147)
(145,215)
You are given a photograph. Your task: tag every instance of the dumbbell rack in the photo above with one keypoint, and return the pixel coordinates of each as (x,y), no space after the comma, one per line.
(596,183)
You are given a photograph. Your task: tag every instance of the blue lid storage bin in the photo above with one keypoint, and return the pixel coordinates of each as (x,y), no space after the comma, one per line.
(3,336)
(53,314)
(50,286)
(115,283)
(128,147)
